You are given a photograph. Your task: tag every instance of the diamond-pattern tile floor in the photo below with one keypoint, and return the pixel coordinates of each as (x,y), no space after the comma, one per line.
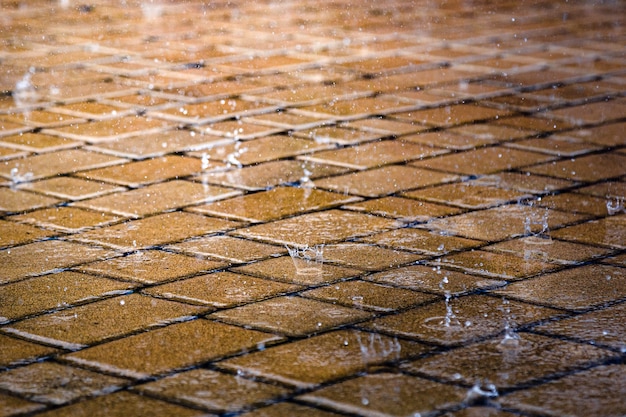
(292,208)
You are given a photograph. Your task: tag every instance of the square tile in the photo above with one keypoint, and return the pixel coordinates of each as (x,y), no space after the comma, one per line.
(404,209)
(287,409)
(109,129)
(67,219)
(468,195)
(14,201)
(452,115)
(589,168)
(171,348)
(423,241)
(12,233)
(367,257)
(38,142)
(338,135)
(343,353)
(291,316)
(228,248)
(576,289)
(70,188)
(20,352)
(10,405)
(608,232)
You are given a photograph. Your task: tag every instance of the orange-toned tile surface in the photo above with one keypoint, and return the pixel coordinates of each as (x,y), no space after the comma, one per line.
(273,209)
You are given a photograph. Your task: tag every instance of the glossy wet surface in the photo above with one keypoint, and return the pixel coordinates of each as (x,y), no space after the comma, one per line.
(312,208)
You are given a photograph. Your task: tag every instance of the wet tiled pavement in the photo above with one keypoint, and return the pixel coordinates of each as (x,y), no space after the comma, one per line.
(290,208)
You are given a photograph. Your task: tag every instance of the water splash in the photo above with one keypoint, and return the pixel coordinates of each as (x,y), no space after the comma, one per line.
(511,338)
(24,93)
(17,178)
(614,205)
(536,227)
(481,392)
(449,320)
(308,260)
(232,159)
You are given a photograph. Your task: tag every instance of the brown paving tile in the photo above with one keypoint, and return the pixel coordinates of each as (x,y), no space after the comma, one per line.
(604,327)
(525,183)
(591,113)
(338,135)
(608,231)
(38,142)
(57,163)
(156,198)
(587,286)
(15,233)
(449,140)
(473,162)
(81,326)
(357,108)
(7,153)
(492,131)
(91,110)
(54,291)
(374,154)
(584,168)
(291,316)
(433,279)
(47,256)
(42,119)
(122,404)
(270,174)
(210,111)
(12,201)
(109,129)
(503,222)
(69,188)
(549,250)
(152,266)
(304,269)
(383,181)
(18,351)
(273,204)
(604,135)
(452,115)
(238,129)
(509,363)
(287,120)
(57,384)
(228,248)
(317,228)
(10,405)
(421,241)
(384,126)
(368,296)
(368,257)
(67,219)
(472,317)
(555,145)
(289,409)
(173,347)
(468,195)
(404,209)
(213,390)
(479,411)
(136,174)
(576,395)
(606,189)
(388,394)
(343,353)
(221,290)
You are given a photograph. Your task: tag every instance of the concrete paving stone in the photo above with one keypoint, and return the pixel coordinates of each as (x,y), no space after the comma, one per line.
(12,233)
(109,129)
(14,201)
(221,290)
(273,204)
(423,241)
(536,123)
(291,316)
(500,223)
(609,134)
(159,144)
(460,320)
(591,113)
(618,260)
(155,198)
(169,227)
(357,108)
(269,174)
(339,135)
(549,250)
(606,189)
(38,142)
(368,257)
(147,171)
(434,279)
(215,391)
(287,120)
(368,296)
(472,162)
(237,129)
(343,353)
(53,164)
(228,248)
(374,154)
(608,232)
(383,181)
(518,361)
(301,269)
(450,140)
(10,405)
(66,219)
(555,145)
(152,266)
(171,348)
(216,89)
(589,168)
(467,195)
(91,110)
(286,409)
(20,352)
(603,327)
(384,126)
(389,395)
(404,209)
(587,286)
(47,256)
(120,404)
(69,188)
(80,326)
(8,153)
(317,228)
(453,115)
(212,111)
(42,119)
(576,394)
(525,183)
(57,384)
(307,94)
(54,291)
(479,411)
